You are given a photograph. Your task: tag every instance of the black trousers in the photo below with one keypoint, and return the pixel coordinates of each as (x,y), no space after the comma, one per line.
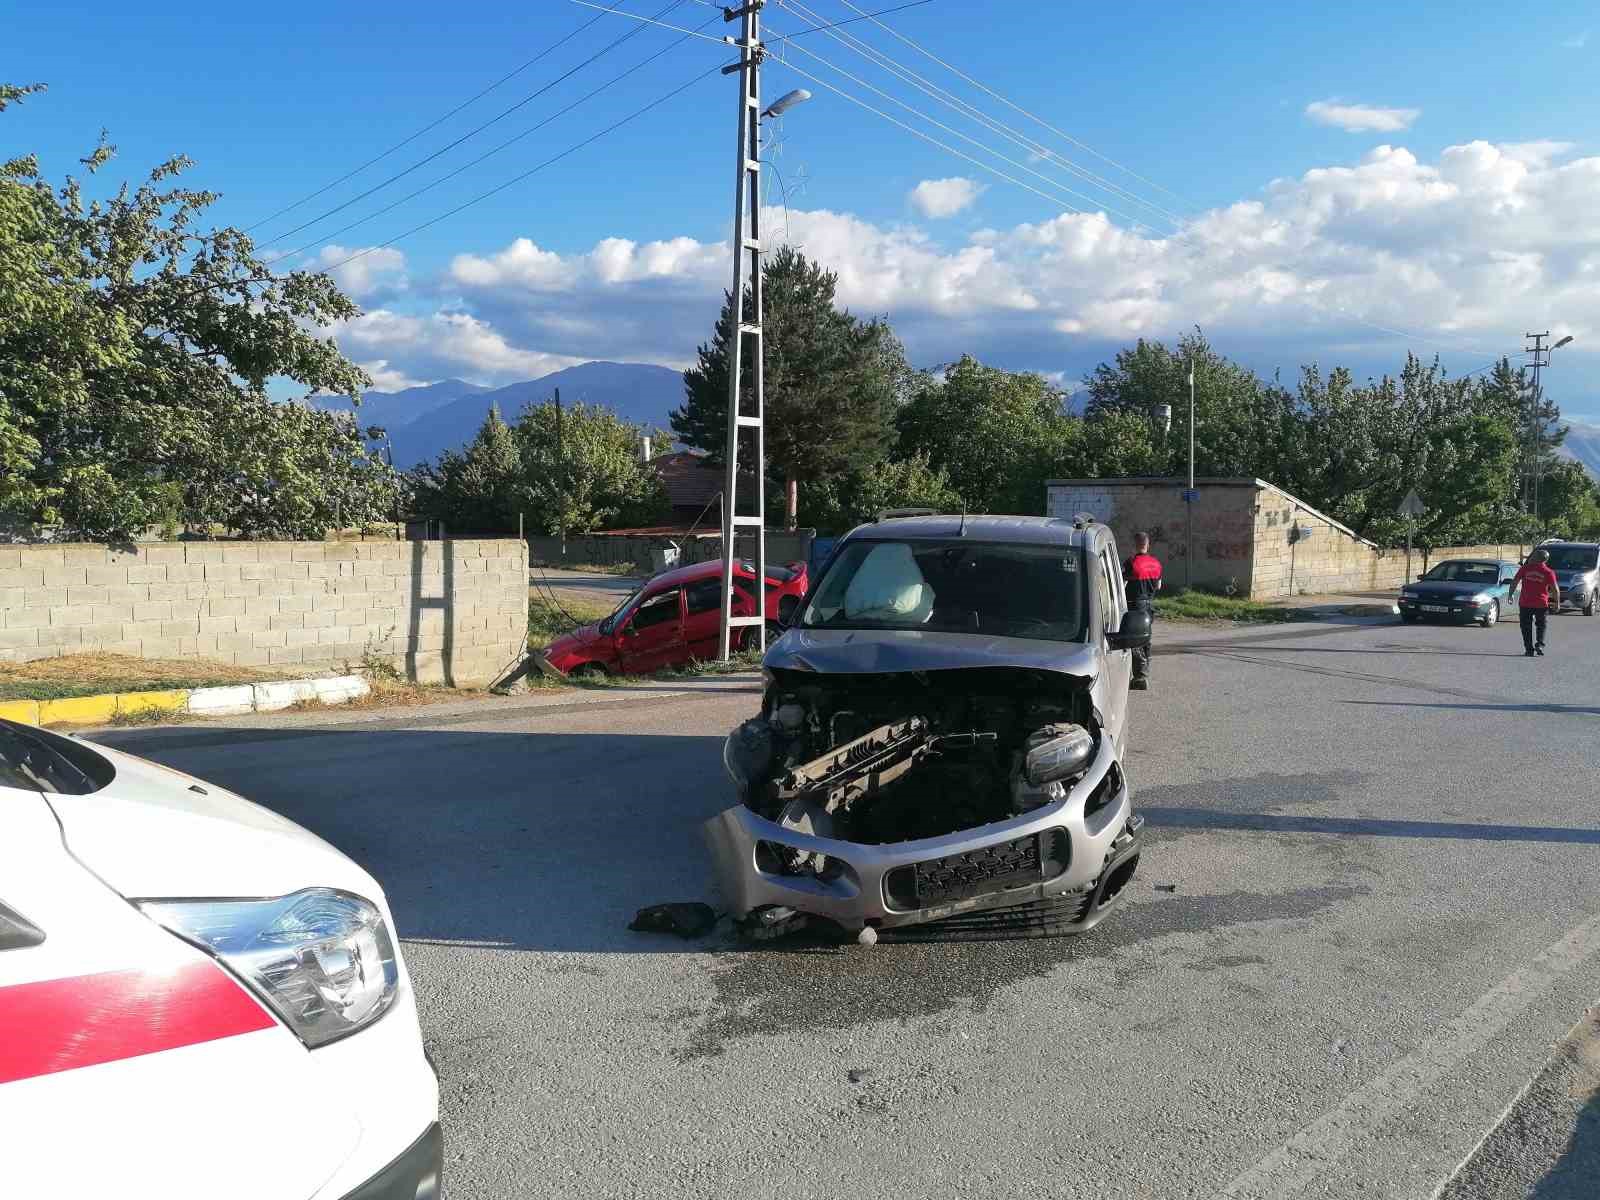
(1141,657)
(1533,618)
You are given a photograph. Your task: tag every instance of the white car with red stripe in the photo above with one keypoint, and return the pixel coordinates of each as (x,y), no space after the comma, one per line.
(198,998)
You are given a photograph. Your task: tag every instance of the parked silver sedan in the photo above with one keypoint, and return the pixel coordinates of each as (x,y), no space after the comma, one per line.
(940,738)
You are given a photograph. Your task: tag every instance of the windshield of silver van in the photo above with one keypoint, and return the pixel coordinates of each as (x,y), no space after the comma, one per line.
(956,586)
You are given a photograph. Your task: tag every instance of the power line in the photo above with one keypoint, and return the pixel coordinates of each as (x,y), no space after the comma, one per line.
(554,46)
(428,187)
(617,12)
(936,123)
(1040,121)
(555,158)
(471,133)
(951,100)
(928,138)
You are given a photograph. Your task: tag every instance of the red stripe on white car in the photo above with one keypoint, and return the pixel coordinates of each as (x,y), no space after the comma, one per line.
(62,1024)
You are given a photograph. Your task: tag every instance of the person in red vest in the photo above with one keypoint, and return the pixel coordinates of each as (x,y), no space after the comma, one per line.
(1141,575)
(1540,592)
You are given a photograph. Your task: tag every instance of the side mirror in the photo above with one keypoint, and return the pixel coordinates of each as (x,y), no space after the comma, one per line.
(1133,633)
(628,631)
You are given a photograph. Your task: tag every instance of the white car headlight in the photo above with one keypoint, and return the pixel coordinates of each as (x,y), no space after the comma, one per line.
(1482,598)
(321,959)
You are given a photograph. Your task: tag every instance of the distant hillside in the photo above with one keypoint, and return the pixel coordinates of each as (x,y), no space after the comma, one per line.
(1583,444)
(424,422)
(393,409)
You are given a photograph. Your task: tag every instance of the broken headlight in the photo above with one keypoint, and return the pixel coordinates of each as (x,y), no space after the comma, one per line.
(747,753)
(1056,752)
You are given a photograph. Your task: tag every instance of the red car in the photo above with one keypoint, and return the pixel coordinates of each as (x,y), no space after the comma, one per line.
(674,619)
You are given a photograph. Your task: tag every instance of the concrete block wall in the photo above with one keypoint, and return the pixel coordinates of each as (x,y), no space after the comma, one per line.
(1243,537)
(1223,524)
(444,611)
(782,547)
(1332,558)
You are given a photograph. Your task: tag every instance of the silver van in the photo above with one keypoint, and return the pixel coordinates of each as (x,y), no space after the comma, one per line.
(941,737)
(1577,568)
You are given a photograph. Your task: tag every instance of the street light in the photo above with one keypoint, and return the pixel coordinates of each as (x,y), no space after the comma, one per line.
(785,102)
(1562,342)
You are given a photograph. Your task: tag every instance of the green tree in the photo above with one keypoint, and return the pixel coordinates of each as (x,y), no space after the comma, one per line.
(135,357)
(831,380)
(997,435)
(480,489)
(1569,501)
(1243,425)
(592,477)
(840,502)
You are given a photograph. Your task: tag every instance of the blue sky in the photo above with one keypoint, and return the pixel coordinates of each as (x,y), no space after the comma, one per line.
(1460,250)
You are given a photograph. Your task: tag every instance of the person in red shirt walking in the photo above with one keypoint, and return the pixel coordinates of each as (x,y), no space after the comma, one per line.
(1141,575)
(1540,592)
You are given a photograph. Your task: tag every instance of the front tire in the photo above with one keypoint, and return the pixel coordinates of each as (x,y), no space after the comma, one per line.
(1408,618)
(1492,617)
(1588,608)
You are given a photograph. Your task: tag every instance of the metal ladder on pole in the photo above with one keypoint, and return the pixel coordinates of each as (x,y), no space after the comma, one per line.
(746,274)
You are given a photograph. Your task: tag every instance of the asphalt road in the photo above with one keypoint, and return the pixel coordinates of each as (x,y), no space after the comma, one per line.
(1366,913)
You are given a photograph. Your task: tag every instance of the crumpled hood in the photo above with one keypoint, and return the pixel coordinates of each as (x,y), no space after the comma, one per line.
(148,833)
(576,640)
(883,651)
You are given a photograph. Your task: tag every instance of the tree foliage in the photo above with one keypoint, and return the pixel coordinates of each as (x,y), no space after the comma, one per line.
(831,380)
(589,477)
(840,502)
(997,435)
(136,352)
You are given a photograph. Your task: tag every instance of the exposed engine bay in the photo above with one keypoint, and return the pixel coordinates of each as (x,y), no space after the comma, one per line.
(878,759)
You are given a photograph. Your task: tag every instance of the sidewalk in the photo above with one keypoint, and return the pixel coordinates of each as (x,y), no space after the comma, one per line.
(1342,604)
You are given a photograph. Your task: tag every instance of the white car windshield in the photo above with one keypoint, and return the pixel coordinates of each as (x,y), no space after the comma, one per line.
(955,586)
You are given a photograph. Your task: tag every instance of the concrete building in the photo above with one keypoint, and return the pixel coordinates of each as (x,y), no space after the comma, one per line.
(1247,537)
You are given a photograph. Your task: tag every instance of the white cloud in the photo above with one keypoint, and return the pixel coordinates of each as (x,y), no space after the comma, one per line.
(441,345)
(379,270)
(1361,118)
(1577,41)
(386,378)
(1463,250)
(944,197)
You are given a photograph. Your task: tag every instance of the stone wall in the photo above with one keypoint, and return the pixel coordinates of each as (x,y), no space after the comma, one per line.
(1223,524)
(443,611)
(635,549)
(1250,538)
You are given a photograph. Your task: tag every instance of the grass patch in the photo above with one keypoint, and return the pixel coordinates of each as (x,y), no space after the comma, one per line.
(151,715)
(742,661)
(546,622)
(93,674)
(399,693)
(1195,605)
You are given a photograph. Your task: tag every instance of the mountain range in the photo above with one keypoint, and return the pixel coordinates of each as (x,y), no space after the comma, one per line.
(1583,444)
(425,421)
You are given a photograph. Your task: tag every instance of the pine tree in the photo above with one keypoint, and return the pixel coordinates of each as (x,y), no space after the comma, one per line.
(832,381)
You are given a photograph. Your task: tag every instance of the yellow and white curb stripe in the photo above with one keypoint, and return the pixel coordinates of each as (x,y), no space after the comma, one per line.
(209,702)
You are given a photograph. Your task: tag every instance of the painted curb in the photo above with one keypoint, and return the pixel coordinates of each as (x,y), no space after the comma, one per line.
(209,702)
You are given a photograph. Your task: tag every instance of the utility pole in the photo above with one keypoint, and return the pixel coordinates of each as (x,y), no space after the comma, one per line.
(1191,495)
(1531,480)
(561,482)
(746,273)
